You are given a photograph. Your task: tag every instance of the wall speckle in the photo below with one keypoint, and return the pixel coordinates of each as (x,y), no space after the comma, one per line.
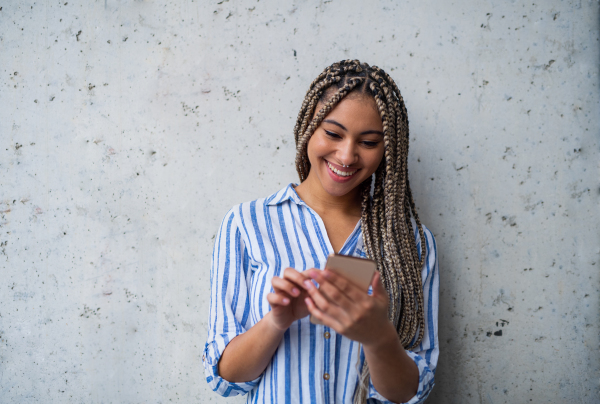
(129,128)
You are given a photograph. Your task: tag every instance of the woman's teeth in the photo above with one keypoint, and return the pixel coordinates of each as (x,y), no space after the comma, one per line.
(340,173)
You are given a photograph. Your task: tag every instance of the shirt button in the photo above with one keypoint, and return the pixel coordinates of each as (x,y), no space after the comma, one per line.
(327,335)
(326,376)
(203,358)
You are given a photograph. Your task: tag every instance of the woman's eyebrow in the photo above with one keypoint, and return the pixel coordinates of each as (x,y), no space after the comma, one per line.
(335,123)
(367,132)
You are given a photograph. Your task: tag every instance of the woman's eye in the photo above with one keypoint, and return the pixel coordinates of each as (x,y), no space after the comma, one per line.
(370,144)
(331,134)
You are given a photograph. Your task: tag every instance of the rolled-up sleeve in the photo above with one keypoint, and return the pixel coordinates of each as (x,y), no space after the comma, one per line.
(229,303)
(426,354)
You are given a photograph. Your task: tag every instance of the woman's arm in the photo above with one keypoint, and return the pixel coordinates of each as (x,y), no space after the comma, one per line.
(394,374)
(343,306)
(247,355)
(229,303)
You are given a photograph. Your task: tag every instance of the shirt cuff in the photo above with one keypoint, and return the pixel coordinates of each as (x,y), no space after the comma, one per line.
(210,358)
(426,383)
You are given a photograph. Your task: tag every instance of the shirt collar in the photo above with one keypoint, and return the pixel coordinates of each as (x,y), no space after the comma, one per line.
(286,194)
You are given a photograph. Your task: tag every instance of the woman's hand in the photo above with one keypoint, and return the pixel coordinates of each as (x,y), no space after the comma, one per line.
(348,309)
(287,302)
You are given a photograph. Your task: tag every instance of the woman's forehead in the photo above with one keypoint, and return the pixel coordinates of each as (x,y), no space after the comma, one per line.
(365,100)
(360,113)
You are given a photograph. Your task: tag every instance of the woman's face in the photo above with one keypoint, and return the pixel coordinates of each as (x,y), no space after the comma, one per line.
(350,135)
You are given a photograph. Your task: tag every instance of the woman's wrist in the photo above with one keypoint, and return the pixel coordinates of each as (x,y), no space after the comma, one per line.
(388,364)
(386,337)
(272,324)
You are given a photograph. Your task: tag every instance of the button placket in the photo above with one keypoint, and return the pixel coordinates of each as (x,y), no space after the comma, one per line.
(327,365)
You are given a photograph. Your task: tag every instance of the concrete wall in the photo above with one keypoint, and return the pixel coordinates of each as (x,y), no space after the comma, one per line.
(129,128)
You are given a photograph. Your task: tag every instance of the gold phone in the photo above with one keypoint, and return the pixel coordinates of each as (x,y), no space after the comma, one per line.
(357,270)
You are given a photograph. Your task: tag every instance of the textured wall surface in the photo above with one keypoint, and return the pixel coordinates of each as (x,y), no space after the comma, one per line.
(129,128)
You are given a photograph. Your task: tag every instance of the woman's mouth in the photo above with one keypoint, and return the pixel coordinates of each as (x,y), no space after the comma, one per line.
(339,175)
(339,172)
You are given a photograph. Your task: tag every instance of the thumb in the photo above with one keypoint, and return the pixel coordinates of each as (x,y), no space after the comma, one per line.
(377,286)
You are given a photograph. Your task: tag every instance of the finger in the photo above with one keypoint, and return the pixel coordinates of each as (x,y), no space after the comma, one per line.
(277,299)
(290,274)
(325,318)
(377,285)
(334,294)
(352,292)
(286,286)
(323,304)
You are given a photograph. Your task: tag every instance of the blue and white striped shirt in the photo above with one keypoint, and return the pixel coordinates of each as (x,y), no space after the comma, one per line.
(313,364)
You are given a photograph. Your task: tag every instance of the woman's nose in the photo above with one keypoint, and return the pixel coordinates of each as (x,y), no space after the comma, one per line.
(347,152)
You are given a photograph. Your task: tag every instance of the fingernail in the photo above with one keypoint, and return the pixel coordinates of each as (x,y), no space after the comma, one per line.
(295,291)
(326,274)
(286,300)
(307,301)
(308,284)
(313,274)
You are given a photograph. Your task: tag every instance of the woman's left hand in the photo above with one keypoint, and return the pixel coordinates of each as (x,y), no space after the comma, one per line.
(348,309)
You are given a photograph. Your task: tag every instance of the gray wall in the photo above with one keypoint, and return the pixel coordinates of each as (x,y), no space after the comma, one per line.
(129,128)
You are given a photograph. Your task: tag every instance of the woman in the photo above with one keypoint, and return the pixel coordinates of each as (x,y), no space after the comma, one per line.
(354,199)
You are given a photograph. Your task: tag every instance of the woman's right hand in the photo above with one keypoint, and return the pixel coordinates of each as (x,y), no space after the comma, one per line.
(287,301)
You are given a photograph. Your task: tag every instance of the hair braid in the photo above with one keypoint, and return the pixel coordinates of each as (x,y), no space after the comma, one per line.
(386,198)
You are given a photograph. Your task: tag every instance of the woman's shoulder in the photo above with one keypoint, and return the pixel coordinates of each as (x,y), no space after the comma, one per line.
(426,232)
(256,207)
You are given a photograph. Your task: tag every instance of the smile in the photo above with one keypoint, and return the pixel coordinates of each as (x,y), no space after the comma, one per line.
(339,172)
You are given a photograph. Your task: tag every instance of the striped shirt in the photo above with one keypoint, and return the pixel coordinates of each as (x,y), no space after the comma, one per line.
(313,364)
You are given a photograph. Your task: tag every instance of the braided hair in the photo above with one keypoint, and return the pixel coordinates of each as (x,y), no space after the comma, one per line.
(387,204)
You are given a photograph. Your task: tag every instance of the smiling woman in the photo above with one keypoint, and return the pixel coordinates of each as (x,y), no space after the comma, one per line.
(354,199)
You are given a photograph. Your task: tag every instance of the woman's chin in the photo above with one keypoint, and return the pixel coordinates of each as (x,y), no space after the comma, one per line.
(339,189)
(335,185)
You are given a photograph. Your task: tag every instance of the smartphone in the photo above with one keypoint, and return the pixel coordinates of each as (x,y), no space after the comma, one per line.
(357,270)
